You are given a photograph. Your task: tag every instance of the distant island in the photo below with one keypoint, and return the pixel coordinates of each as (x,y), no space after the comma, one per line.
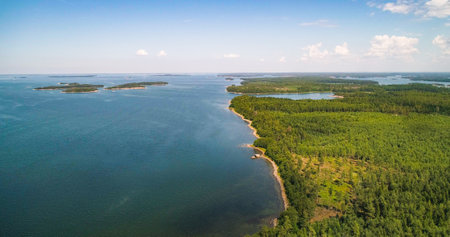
(72,88)
(57,76)
(229,79)
(171,75)
(268,85)
(425,76)
(90,88)
(136,85)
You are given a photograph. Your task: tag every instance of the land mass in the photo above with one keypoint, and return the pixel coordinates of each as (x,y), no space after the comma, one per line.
(136,85)
(261,154)
(171,75)
(296,85)
(428,76)
(72,88)
(373,163)
(57,76)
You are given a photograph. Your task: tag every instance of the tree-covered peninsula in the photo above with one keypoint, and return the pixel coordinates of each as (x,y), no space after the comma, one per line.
(296,85)
(72,88)
(373,163)
(136,85)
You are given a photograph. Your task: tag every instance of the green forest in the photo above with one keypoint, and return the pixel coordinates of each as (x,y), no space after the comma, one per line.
(137,85)
(373,163)
(72,87)
(295,85)
(83,88)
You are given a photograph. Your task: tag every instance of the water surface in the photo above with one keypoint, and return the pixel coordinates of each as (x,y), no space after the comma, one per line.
(165,161)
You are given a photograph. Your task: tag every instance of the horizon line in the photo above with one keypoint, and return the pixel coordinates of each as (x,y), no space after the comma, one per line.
(179,73)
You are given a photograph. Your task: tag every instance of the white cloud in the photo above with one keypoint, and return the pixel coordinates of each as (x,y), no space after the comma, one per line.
(261,60)
(438,8)
(319,23)
(314,52)
(392,46)
(141,52)
(342,50)
(397,7)
(231,55)
(162,53)
(282,59)
(443,43)
(423,8)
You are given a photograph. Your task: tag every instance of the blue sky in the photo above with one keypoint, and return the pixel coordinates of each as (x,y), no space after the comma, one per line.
(69,36)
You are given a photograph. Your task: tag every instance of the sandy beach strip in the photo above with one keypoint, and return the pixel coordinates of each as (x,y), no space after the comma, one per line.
(127,88)
(62,91)
(276,174)
(81,92)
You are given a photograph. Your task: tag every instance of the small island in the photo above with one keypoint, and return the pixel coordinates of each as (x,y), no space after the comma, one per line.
(58,76)
(171,75)
(72,88)
(136,85)
(229,79)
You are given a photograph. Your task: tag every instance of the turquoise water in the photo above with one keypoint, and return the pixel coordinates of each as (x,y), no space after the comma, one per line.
(165,161)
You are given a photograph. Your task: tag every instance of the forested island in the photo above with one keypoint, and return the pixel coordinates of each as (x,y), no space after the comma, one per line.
(429,76)
(58,76)
(296,85)
(171,75)
(136,85)
(373,163)
(86,88)
(72,88)
(425,76)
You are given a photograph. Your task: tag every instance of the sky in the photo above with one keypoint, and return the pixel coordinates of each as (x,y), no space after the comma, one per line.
(182,36)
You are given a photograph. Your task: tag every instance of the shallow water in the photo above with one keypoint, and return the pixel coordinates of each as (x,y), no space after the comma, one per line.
(165,161)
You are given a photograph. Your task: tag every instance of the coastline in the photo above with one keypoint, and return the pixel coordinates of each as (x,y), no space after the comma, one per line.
(275,173)
(84,92)
(62,91)
(277,93)
(45,89)
(126,88)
